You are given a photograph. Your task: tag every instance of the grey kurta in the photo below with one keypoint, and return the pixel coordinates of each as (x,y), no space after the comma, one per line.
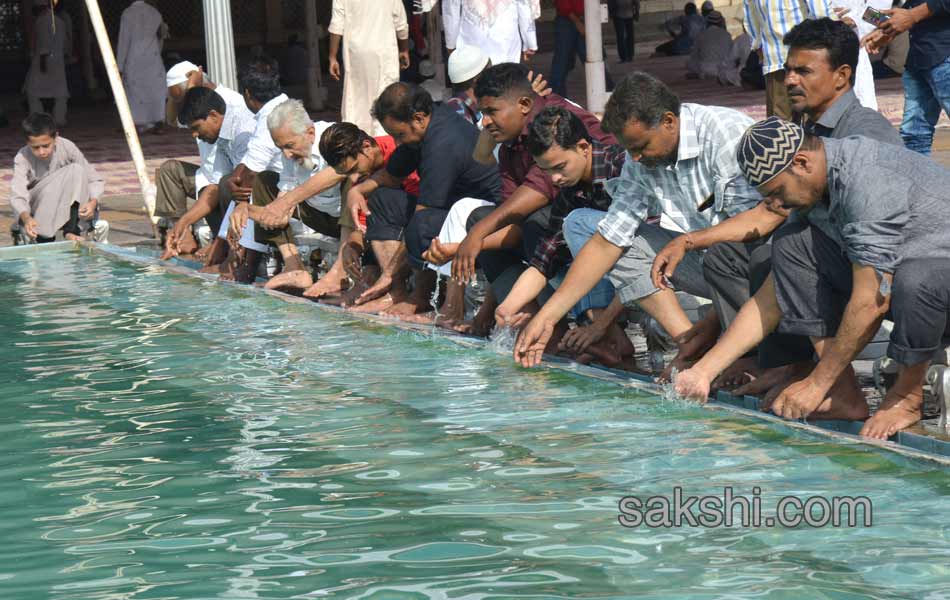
(47,188)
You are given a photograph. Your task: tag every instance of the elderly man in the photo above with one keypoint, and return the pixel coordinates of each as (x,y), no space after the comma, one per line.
(226,132)
(54,188)
(375,38)
(296,135)
(178,181)
(867,235)
(682,168)
(503,29)
(139,57)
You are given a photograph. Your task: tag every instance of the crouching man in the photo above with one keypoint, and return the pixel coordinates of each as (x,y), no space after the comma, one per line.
(867,235)
(54,188)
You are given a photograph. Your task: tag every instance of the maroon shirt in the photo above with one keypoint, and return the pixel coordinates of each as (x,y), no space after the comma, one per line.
(516,163)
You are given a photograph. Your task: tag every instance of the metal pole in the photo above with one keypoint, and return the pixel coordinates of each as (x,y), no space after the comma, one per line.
(316,93)
(219,43)
(122,103)
(594,69)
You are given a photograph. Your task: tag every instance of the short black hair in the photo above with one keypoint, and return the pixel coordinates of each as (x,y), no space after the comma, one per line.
(639,96)
(399,101)
(341,141)
(260,78)
(690,8)
(198,104)
(555,125)
(837,39)
(504,79)
(39,123)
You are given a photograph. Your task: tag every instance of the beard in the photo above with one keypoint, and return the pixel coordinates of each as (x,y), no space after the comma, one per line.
(307,163)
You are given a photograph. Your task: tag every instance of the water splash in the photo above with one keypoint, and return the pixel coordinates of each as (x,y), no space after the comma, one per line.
(502,340)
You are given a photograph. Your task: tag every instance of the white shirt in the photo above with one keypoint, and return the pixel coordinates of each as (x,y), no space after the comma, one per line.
(293,174)
(262,154)
(206,152)
(226,153)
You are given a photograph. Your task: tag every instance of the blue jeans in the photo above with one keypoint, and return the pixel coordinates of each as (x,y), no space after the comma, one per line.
(925,93)
(580,226)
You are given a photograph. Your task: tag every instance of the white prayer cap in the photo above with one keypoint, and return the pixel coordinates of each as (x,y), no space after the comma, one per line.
(179,73)
(465,63)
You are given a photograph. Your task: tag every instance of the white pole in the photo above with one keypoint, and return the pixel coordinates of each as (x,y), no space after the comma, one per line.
(219,43)
(122,103)
(594,69)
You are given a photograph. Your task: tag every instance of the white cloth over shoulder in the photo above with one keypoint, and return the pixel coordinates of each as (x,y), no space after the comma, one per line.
(293,174)
(500,28)
(53,40)
(453,228)
(370,54)
(139,56)
(864,76)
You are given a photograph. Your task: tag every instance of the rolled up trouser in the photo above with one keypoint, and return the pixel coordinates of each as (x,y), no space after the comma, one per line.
(920,309)
(394,215)
(735,272)
(174,185)
(631,274)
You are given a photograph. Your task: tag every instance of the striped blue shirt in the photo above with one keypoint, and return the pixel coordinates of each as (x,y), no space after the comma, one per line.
(767,22)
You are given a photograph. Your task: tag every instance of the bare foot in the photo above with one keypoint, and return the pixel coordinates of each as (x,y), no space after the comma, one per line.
(330,284)
(381,287)
(187,244)
(741,372)
(423,318)
(299,279)
(202,253)
(406,308)
(72,237)
(213,269)
(768,379)
(373,306)
(896,413)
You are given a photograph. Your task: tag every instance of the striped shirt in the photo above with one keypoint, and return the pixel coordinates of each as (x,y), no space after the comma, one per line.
(767,22)
(705,166)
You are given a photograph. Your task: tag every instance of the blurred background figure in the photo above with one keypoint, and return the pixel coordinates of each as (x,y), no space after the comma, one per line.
(139,55)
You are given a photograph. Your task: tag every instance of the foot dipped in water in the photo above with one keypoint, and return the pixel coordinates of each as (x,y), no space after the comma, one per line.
(692,345)
(804,399)
(332,283)
(298,279)
(763,381)
(902,406)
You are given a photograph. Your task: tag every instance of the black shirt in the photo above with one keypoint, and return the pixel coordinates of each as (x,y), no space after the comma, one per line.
(929,39)
(447,171)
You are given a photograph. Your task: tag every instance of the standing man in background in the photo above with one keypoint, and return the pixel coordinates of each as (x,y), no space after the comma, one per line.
(139,56)
(502,29)
(375,39)
(47,75)
(624,13)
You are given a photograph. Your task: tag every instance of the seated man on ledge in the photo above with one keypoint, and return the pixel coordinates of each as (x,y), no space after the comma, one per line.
(578,167)
(54,188)
(296,135)
(867,235)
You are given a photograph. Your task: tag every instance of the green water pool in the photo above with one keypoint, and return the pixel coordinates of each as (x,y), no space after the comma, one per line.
(168,437)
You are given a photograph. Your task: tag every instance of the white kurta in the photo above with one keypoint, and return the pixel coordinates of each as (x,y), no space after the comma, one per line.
(52,41)
(864,75)
(370,54)
(500,28)
(139,55)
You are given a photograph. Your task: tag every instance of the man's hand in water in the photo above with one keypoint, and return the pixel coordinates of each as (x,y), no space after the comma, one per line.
(533,339)
(504,317)
(238,220)
(171,242)
(356,203)
(692,384)
(31,228)
(799,400)
(88,210)
(438,253)
(463,265)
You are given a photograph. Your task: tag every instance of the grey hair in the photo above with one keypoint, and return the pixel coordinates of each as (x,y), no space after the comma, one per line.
(290,113)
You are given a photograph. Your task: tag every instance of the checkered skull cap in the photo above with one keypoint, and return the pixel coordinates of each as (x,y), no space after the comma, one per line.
(767,148)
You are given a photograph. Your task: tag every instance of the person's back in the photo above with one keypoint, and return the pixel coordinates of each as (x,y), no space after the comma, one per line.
(712,46)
